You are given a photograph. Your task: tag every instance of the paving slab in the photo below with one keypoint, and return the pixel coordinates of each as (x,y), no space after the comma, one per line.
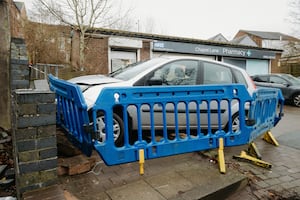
(185,176)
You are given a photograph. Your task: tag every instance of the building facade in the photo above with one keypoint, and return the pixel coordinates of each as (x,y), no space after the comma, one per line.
(109,50)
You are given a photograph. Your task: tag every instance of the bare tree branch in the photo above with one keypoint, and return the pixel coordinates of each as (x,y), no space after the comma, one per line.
(83,14)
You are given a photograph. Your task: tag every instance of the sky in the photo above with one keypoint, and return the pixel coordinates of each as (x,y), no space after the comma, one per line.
(203,19)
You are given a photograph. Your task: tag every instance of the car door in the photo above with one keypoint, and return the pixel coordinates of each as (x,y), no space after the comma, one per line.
(214,73)
(280,83)
(178,73)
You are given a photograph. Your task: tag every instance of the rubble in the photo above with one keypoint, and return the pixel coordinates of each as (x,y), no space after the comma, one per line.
(7,172)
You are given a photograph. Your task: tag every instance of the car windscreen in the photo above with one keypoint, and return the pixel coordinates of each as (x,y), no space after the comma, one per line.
(133,70)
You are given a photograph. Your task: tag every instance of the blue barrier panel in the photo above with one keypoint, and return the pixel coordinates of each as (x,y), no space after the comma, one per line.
(164,121)
(72,113)
(113,100)
(266,109)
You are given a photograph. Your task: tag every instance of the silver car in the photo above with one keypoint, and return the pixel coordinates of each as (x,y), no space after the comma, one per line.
(166,71)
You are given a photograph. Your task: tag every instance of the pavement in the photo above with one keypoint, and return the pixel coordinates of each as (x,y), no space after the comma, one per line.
(194,175)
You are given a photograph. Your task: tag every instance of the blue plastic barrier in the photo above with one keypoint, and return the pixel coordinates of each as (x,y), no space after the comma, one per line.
(257,114)
(71,113)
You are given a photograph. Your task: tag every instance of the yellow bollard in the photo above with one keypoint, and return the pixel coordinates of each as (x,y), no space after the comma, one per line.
(221,156)
(141,161)
(268,137)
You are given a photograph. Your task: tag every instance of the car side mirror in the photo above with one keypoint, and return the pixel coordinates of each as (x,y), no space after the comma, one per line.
(155,81)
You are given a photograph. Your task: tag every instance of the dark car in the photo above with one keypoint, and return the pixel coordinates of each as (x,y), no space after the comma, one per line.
(289,85)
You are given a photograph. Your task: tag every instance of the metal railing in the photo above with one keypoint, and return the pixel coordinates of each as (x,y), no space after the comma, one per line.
(41,71)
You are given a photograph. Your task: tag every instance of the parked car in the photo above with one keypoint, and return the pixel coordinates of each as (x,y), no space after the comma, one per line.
(289,85)
(166,71)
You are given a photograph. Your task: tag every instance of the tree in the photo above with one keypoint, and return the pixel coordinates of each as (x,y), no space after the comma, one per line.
(294,15)
(82,15)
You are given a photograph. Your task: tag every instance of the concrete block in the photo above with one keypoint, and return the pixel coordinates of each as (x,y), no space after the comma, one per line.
(28,133)
(20,84)
(46,131)
(18,61)
(26,145)
(34,121)
(34,96)
(48,153)
(41,165)
(27,109)
(48,164)
(41,84)
(28,156)
(17,41)
(49,142)
(49,108)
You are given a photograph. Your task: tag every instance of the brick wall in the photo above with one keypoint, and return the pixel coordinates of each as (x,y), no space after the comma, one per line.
(34,139)
(96,55)
(19,69)
(145,51)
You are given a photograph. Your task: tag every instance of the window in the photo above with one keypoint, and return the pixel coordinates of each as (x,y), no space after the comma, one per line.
(182,72)
(216,74)
(278,80)
(240,77)
(261,79)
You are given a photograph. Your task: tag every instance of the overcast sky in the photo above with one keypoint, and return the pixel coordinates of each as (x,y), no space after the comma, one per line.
(202,19)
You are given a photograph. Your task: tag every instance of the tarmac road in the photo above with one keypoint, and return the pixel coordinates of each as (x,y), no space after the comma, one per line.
(288,131)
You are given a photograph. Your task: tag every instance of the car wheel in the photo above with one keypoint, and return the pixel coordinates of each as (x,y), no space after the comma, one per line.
(235,122)
(296,100)
(118,129)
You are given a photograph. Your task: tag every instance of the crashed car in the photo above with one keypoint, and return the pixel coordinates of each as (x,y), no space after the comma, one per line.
(165,72)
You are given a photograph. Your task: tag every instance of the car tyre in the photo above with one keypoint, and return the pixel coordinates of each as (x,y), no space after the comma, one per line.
(118,129)
(296,100)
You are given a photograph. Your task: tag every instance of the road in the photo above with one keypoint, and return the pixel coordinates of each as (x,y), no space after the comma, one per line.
(288,130)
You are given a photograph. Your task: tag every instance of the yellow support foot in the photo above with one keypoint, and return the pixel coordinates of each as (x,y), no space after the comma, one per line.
(141,161)
(253,151)
(268,137)
(244,157)
(221,156)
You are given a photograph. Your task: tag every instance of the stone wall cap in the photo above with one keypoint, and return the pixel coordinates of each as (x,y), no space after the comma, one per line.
(32,91)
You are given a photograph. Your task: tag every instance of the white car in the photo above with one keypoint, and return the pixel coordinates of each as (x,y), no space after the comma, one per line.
(166,71)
